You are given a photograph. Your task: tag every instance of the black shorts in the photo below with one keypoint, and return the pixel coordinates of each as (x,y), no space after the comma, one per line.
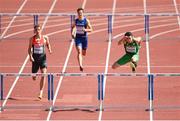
(39,62)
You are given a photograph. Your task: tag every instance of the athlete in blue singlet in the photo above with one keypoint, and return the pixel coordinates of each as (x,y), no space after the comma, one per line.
(80,28)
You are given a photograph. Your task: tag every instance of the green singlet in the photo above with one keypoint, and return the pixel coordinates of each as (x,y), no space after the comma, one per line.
(132,51)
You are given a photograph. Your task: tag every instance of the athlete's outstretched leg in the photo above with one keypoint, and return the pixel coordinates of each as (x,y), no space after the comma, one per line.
(133,65)
(42,82)
(121,61)
(84,52)
(79,57)
(115,65)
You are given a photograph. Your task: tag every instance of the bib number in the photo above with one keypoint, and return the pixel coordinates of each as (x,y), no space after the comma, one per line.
(131,49)
(38,49)
(79,30)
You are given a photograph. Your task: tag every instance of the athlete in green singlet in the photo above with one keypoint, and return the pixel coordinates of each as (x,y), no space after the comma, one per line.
(132,47)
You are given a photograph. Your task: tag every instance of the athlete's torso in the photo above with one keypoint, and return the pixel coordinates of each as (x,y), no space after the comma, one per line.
(80,25)
(38,45)
(132,48)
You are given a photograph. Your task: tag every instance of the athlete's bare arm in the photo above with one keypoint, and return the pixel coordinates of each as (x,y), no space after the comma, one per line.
(122,40)
(48,44)
(73,30)
(30,50)
(138,39)
(89,27)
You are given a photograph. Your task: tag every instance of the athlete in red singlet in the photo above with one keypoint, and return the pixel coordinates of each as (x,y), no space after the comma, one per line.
(37,55)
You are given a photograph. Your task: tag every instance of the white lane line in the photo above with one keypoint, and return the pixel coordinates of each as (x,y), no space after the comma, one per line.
(177,12)
(141,29)
(84,3)
(107,60)
(162,33)
(147,42)
(148,61)
(15,82)
(61,78)
(63,70)
(50,11)
(145,7)
(9,25)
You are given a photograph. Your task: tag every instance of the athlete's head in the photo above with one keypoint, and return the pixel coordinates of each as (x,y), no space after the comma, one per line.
(80,12)
(37,29)
(129,36)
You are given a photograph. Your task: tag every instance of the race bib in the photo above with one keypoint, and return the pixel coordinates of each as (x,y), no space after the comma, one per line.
(79,30)
(131,49)
(38,49)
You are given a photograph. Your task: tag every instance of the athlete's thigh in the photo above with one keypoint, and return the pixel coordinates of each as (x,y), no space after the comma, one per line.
(78,42)
(43,62)
(135,58)
(84,43)
(35,67)
(124,59)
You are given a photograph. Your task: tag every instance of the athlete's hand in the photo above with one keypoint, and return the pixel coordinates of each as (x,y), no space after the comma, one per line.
(50,51)
(73,36)
(126,38)
(83,29)
(31,59)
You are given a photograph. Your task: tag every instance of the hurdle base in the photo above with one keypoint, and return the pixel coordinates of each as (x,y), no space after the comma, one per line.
(98,109)
(73,108)
(51,108)
(1,109)
(149,109)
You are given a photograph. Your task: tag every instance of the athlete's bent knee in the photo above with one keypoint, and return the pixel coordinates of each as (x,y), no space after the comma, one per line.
(115,65)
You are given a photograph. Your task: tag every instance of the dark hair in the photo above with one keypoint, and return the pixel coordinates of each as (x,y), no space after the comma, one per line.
(79,9)
(36,26)
(128,34)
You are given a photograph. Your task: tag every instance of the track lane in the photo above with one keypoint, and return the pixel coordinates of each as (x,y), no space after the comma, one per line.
(27,96)
(85,88)
(165,52)
(124,91)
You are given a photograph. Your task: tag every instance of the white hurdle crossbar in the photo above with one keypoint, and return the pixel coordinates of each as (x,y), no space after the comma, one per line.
(89,14)
(100,79)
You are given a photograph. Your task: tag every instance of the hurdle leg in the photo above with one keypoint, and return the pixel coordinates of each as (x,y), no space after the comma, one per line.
(49,92)
(110,27)
(52,108)
(1,91)
(36,20)
(99,91)
(150,95)
(72,19)
(0,25)
(102,92)
(151,91)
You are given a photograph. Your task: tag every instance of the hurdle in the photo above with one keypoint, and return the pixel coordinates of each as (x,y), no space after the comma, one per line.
(100,87)
(110,27)
(109,16)
(50,91)
(150,92)
(36,19)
